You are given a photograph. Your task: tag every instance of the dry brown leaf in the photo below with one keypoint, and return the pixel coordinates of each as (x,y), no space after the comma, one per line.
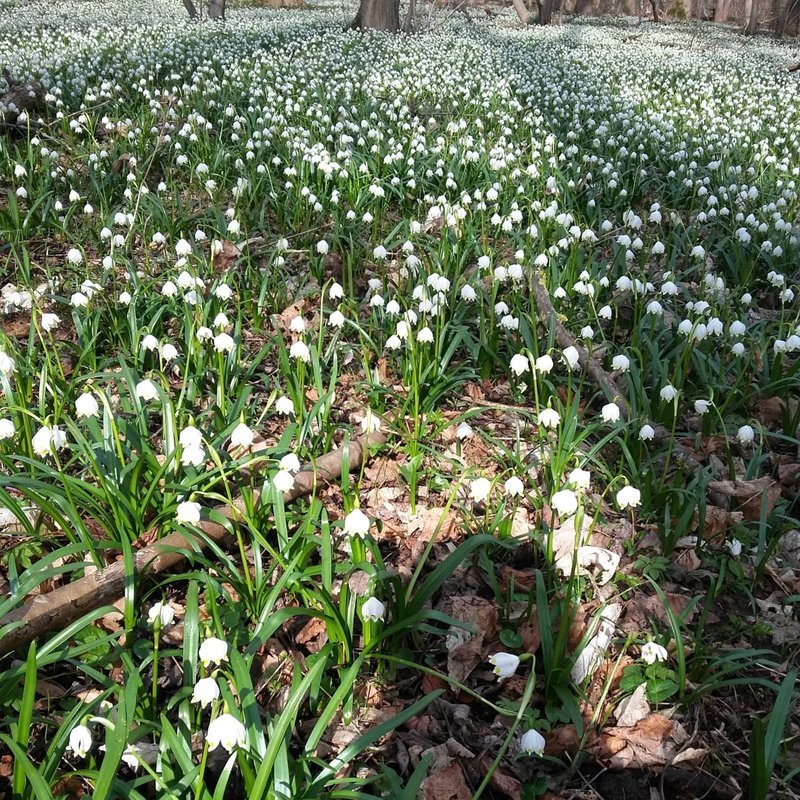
(465,647)
(634,708)
(501,780)
(562,741)
(644,609)
(653,742)
(717,522)
(748,494)
(770,410)
(446,784)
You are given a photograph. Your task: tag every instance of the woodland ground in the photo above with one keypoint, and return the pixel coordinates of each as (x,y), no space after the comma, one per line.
(433,399)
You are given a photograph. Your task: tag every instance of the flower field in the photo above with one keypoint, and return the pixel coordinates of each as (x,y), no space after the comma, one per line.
(396,416)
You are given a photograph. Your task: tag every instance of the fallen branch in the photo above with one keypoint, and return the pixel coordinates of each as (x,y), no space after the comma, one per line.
(605,382)
(60,607)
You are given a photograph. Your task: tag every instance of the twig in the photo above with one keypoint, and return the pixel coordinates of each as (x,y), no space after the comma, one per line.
(60,607)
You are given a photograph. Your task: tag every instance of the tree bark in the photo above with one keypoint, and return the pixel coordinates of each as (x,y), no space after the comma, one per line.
(654,6)
(216,9)
(411,17)
(189,6)
(522,12)
(722,10)
(545,12)
(378,15)
(752,23)
(789,9)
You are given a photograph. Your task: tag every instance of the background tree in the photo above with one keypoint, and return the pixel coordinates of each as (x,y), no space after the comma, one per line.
(377,15)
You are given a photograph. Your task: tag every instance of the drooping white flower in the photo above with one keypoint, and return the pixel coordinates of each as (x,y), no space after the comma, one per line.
(6,429)
(322,247)
(702,406)
(514,487)
(519,364)
(505,664)
(652,652)
(161,612)
(283,405)
(188,513)
(242,436)
(283,481)
(746,434)
(373,609)
(647,433)
(86,405)
(544,364)
(80,741)
(549,418)
(621,362)
(224,343)
(532,743)
(628,497)
(50,322)
(571,356)
(205,692)
(479,489)
(356,523)
(668,393)
(734,548)
(580,478)
(565,502)
(48,440)
(146,390)
(610,412)
(212,651)
(300,352)
(227,731)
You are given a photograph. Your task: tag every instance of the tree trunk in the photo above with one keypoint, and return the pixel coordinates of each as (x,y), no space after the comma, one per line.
(783,20)
(545,12)
(411,17)
(654,6)
(378,15)
(522,12)
(722,10)
(216,9)
(752,23)
(189,6)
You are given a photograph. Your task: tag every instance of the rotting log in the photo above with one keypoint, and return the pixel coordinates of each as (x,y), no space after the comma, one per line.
(60,607)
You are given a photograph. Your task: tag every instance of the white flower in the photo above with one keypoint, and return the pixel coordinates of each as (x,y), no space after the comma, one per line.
(544,364)
(227,731)
(746,434)
(605,312)
(322,247)
(188,513)
(80,741)
(505,664)
(702,406)
(193,456)
(190,437)
(735,548)
(6,429)
(242,436)
(336,319)
(393,343)
(336,292)
(652,652)
(464,431)
(50,322)
(610,412)
(565,502)
(356,523)
(46,440)
(74,256)
(425,335)
(299,351)
(668,392)
(532,743)
(647,433)
(628,497)
(161,612)
(206,691)
(580,478)
(79,300)
(514,487)
(224,343)
(7,365)
(548,417)
(283,405)
(621,362)
(379,253)
(204,334)
(86,405)
(146,390)
(223,292)
(290,462)
(468,294)
(212,651)
(373,610)
(479,489)
(283,481)
(169,289)
(571,357)
(519,364)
